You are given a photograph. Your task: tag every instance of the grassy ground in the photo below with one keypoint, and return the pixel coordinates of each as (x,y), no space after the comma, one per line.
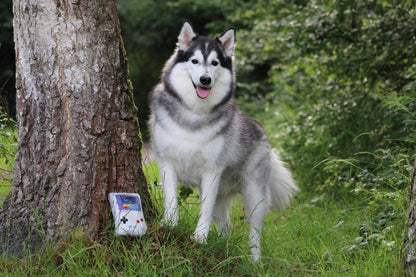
(319,236)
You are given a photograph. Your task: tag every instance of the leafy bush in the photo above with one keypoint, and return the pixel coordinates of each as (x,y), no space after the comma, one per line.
(340,76)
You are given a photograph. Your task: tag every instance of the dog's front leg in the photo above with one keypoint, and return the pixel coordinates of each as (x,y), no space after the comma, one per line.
(170,190)
(208,195)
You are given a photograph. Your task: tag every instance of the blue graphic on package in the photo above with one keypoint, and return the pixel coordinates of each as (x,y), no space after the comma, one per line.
(128,203)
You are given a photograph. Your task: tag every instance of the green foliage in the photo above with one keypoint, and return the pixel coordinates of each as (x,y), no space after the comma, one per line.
(8,145)
(340,76)
(336,82)
(8,140)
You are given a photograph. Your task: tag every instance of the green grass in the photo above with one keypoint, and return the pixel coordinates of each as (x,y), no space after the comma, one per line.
(316,236)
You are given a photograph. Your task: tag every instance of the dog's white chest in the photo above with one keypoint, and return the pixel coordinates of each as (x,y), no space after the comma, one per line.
(190,150)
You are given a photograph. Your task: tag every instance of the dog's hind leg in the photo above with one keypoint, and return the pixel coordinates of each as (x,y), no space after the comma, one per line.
(222,214)
(256,209)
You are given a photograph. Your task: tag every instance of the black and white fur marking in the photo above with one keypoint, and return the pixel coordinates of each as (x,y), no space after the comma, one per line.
(201,138)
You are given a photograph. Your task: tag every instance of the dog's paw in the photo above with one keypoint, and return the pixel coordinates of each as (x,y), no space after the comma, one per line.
(199,239)
(256,255)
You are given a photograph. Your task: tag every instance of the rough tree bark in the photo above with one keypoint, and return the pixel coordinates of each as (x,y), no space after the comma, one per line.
(78,133)
(409,256)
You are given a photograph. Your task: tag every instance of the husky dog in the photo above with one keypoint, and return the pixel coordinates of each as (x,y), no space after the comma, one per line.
(201,138)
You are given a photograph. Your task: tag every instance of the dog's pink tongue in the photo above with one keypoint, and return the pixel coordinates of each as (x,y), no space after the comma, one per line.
(202,92)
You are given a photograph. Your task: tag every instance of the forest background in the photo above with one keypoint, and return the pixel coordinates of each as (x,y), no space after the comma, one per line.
(333,83)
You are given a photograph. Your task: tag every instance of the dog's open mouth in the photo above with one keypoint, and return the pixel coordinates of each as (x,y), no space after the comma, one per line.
(202,92)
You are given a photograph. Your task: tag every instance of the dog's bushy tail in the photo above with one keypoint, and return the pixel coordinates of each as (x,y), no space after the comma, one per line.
(282,185)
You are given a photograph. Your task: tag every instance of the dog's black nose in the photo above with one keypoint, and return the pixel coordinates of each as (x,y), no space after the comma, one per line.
(205,80)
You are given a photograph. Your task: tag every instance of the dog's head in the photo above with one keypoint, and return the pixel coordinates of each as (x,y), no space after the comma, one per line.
(203,66)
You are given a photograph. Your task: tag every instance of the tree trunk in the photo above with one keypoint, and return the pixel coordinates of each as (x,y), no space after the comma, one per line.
(78,133)
(409,257)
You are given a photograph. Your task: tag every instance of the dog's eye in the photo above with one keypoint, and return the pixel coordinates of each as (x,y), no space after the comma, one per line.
(194,61)
(214,63)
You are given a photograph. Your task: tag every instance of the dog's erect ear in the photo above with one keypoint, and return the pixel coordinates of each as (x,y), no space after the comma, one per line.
(227,40)
(185,36)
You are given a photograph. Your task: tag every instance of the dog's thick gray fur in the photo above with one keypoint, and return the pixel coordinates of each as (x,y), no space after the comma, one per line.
(201,138)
